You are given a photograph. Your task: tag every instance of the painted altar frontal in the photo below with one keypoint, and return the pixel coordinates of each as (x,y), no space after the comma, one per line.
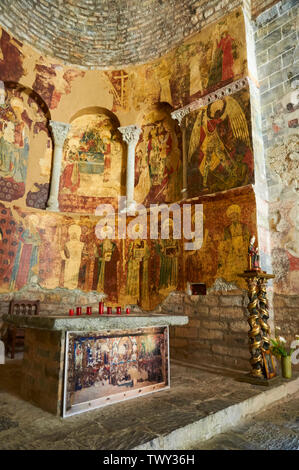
(106,367)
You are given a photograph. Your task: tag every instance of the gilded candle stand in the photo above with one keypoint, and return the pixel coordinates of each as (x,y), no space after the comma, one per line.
(261,361)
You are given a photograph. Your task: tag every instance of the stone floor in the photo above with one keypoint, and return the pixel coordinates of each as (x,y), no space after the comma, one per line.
(275,429)
(194,395)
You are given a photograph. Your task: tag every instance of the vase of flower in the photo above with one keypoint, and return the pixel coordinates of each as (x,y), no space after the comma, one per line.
(286,367)
(283,350)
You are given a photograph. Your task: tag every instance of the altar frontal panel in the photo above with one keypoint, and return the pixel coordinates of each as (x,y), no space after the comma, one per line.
(106,367)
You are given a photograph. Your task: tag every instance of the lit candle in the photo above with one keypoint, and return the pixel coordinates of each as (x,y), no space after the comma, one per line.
(71,312)
(79,311)
(118,310)
(88,311)
(101,308)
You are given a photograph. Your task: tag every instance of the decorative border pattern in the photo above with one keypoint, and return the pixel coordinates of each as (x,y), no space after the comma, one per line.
(229,89)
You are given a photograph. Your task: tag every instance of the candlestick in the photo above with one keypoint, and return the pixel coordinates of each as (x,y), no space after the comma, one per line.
(79,311)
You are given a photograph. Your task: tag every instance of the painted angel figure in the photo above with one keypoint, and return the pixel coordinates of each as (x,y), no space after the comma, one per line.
(219,153)
(253,255)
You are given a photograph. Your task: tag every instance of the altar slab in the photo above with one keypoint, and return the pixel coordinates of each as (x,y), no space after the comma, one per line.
(94,322)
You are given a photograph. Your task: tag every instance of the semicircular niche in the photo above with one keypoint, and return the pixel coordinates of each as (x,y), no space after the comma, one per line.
(93,164)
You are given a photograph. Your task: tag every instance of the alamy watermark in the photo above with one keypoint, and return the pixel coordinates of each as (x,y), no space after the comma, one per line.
(159,221)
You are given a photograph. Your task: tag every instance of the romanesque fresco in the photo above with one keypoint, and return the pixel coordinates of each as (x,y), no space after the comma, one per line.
(22,119)
(52,81)
(93,163)
(284,225)
(219,145)
(228,223)
(63,249)
(158,165)
(208,60)
(55,250)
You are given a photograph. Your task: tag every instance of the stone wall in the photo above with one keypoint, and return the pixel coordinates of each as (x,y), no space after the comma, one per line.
(42,369)
(100,33)
(277,54)
(53,301)
(217,330)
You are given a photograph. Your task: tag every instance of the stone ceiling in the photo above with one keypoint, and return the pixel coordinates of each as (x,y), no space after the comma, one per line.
(106,33)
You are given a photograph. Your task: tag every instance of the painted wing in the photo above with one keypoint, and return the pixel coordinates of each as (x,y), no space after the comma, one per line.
(237,120)
(201,121)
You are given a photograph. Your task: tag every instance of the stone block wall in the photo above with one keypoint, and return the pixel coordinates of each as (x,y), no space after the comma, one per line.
(277,56)
(42,369)
(287,318)
(217,330)
(53,301)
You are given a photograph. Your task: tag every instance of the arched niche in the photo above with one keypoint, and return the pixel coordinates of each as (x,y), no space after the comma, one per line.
(24,138)
(158,161)
(93,165)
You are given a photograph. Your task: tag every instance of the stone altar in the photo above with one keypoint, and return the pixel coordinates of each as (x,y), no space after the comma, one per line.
(46,377)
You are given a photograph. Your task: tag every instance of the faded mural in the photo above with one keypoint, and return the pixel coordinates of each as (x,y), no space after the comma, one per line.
(22,118)
(158,161)
(54,250)
(219,149)
(93,162)
(62,250)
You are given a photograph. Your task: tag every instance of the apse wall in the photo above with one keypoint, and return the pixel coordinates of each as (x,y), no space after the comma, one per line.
(62,250)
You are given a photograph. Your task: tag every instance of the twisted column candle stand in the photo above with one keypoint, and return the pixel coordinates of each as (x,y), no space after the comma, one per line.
(255,336)
(264,315)
(259,334)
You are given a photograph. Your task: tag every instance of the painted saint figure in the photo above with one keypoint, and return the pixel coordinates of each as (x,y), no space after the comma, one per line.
(232,250)
(137,279)
(168,250)
(27,256)
(226,46)
(72,256)
(105,275)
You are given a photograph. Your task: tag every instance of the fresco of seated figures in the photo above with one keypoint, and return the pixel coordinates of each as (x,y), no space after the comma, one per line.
(23,125)
(93,163)
(158,166)
(219,145)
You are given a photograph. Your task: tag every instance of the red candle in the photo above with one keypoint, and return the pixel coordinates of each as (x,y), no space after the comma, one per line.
(101,308)
(88,311)
(118,310)
(71,312)
(79,311)
(109,310)
(127,310)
